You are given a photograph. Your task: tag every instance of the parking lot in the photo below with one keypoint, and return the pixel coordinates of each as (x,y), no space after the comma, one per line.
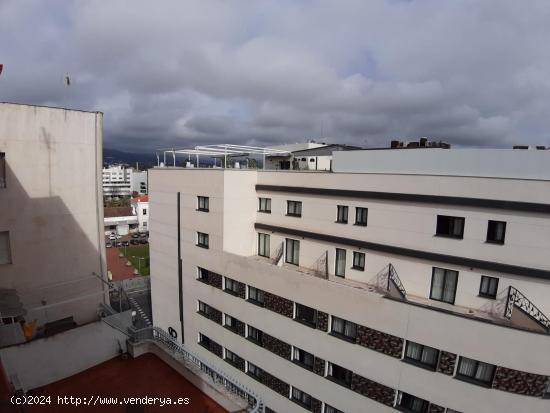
(135,249)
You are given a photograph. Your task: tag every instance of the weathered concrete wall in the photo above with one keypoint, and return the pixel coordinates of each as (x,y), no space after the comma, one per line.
(52,208)
(44,361)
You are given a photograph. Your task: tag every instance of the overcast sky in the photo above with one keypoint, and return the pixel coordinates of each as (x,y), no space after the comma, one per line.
(178,73)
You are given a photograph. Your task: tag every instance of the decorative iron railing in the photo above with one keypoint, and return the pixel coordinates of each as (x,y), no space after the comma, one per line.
(394,278)
(218,377)
(517,299)
(279,253)
(320,267)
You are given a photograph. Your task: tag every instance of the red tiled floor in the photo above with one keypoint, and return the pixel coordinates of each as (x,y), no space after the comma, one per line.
(146,375)
(117,265)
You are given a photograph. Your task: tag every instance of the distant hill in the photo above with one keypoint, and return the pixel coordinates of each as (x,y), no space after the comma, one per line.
(114,156)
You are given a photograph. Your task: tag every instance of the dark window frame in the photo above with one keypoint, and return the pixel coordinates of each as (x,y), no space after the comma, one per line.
(303,320)
(295,256)
(259,292)
(445,225)
(343,335)
(231,360)
(233,283)
(491,232)
(201,237)
(259,333)
(262,247)
(258,372)
(3,178)
(407,399)
(203,203)
(346,381)
(338,258)
(472,379)
(491,283)
(205,311)
(233,327)
(303,396)
(295,210)
(418,362)
(359,211)
(342,212)
(300,360)
(445,280)
(356,263)
(266,207)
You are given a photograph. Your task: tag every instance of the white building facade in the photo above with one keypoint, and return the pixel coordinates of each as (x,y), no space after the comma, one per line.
(52,251)
(363,289)
(140,206)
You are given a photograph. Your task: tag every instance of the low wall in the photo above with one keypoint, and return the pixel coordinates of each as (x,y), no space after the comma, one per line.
(50,359)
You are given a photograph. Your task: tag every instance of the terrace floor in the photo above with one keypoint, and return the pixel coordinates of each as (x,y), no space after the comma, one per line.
(144,376)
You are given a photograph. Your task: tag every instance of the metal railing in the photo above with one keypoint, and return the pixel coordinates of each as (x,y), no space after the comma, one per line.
(279,253)
(320,267)
(217,376)
(517,299)
(394,278)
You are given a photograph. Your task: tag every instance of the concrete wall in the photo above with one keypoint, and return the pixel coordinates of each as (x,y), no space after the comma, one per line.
(55,218)
(50,359)
(503,163)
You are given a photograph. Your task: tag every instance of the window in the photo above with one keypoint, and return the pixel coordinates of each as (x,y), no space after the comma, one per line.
(255,296)
(444,285)
(204,308)
(358,261)
(5,252)
(263,245)
(231,286)
(344,328)
(265,205)
(340,263)
(202,240)
(229,322)
(202,274)
(496,230)
(292,255)
(303,358)
(301,398)
(452,227)
(330,409)
(409,403)
(339,374)
(203,203)
(232,358)
(294,208)
(254,335)
(342,214)
(204,341)
(144,211)
(421,355)
(475,371)
(488,287)
(254,371)
(361,215)
(306,315)
(2,170)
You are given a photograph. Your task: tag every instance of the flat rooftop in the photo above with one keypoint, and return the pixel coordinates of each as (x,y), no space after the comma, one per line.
(144,376)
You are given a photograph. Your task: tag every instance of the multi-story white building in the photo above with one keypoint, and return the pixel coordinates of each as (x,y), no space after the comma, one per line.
(138,180)
(416,280)
(52,252)
(119,181)
(140,205)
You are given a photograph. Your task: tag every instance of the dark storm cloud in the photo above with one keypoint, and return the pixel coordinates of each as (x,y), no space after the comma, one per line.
(176,73)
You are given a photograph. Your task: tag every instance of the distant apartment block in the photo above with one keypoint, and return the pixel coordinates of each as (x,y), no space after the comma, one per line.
(119,181)
(408,280)
(51,242)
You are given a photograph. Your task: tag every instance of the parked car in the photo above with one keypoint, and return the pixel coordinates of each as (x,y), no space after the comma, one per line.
(142,234)
(135,235)
(125,243)
(112,236)
(108,245)
(143,241)
(118,244)
(134,242)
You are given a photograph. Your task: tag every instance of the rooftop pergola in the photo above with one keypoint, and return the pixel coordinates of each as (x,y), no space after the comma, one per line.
(222,151)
